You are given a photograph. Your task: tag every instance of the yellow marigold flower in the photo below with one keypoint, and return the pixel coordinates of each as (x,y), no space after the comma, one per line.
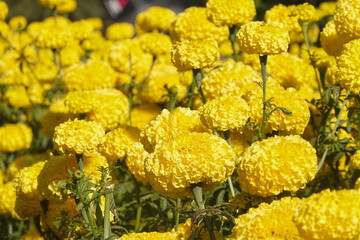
(225,49)
(117,143)
(81,29)
(229,13)
(154,18)
(305,13)
(96,22)
(68,6)
(291,71)
(187,159)
(83,101)
(2,177)
(263,38)
(155,43)
(18,23)
(113,111)
(120,31)
(150,236)
(95,43)
(231,78)
(96,74)
(330,215)
(3,10)
(168,125)
(7,199)
(26,182)
(355,160)
(268,221)
(277,164)
(225,113)
(128,53)
(348,74)
(52,36)
(54,212)
(195,54)
(71,54)
(281,14)
(15,137)
(192,24)
(55,4)
(17,97)
(141,115)
(135,161)
(78,136)
(162,76)
(23,161)
(289,99)
(331,41)
(56,170)
(347,18)
(325,9)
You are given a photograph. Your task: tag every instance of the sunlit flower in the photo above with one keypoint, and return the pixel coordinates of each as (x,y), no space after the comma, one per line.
(154,18)
(15,137)
(347,18)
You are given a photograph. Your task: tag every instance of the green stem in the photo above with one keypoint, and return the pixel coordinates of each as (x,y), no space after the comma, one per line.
(190,94)
(177,214)
(263,60)
(338,118)
(198,76)
(232,37)
(139,206)
(107,226)
(80,162)
(173,98)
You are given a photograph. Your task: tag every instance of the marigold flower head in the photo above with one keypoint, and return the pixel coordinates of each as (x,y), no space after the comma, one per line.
(56,170)
(71,54)
(233,12)
(7,199)
(195,54)
(281,14)
(155,43)
(16,137)
(96,22)
(81,29)
(331,41)
(268,221)
(150,236)
(168,125)
(117,142)
(23,161)
(154,18)
(18,23)
(161,78)
(277,164)
(305,13)
(53,36)
(225,113)
(348,63)
(187,159)
(83,101)
(17,97)
(28,197)
(347,18)
(325,9)
(95,73)
(263,38)
(192,24)
(3,10)
(113,110)
(289,99)
(59,5)
(120,31)
(141,115)
(78,136)
(135,161)
(231,78)
(330,215)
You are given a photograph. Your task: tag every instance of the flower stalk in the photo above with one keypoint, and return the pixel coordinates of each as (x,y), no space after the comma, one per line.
(263,61)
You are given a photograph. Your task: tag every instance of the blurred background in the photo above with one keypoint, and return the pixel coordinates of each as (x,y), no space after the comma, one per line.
(33,11)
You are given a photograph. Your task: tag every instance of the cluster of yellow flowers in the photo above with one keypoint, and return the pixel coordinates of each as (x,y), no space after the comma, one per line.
(182,101)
